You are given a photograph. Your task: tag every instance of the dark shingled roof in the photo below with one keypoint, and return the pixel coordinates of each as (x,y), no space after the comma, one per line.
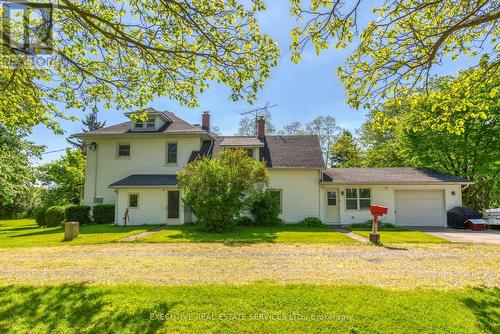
(204,151)
(176,125)
(139,180)
(285,151)
(388,175)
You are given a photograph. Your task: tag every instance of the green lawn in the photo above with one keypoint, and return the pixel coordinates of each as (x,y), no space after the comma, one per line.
(240,234)
(26,233)
(255,308)
(399,235)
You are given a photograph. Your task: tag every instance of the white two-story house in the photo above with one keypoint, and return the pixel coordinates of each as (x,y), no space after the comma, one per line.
(134,165)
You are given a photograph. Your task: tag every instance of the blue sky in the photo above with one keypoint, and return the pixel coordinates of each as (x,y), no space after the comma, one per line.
(302,91)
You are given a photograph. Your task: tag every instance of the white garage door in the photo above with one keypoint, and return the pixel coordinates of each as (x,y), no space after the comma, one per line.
(419,208)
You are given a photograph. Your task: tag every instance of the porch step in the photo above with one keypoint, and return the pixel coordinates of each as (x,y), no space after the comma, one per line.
(351,235)
(143,234)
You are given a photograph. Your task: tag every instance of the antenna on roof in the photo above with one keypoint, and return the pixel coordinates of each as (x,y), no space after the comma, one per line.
(258,111)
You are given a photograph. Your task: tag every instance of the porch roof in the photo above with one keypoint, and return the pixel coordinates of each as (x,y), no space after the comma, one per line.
(146,180)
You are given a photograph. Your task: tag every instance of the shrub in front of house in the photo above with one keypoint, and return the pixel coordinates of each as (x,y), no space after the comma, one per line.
(311,221)
(54,216)
(216,190)
(244,221)
(265,209)
(78,213)
(40,217)
(368,225)
(103,213)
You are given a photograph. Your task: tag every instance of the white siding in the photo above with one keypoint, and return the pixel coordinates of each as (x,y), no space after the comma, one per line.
(384,195)
(300,191)
(151,210)
(147,156)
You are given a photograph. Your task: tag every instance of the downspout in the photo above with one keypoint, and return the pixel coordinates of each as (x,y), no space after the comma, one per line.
(95,173)
(320,179)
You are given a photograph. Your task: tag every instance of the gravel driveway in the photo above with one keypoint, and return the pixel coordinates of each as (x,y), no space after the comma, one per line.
(439,266)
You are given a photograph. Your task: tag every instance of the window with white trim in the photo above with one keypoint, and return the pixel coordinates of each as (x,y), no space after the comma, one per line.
(148,124)
(331,198)
(358,198)
(171,153)
(123,150)
(133,200)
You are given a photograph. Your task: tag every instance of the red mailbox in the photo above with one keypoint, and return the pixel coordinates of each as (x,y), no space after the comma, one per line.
(378,210)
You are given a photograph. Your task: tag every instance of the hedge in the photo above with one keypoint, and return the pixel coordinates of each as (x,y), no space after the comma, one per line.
(78,213)
(40,217)
(311,221)
(54,216)
(103,213)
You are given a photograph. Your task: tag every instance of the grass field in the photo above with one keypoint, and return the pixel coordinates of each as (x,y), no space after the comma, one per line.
(271,234)
(398,235)
(255,308)
(25,233)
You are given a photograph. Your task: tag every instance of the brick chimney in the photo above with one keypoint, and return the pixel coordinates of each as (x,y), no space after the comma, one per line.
(261,127)
(205,121)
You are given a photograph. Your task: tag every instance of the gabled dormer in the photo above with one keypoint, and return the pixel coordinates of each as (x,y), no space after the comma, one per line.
(155,121)
(251,145)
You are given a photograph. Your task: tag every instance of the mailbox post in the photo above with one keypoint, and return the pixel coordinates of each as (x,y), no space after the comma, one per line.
(376,212)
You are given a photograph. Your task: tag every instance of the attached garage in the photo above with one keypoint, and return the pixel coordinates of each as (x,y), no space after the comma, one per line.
(413,196)
(420,208)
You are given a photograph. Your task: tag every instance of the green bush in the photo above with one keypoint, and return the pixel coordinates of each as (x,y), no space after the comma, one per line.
(368,225)
(78,213)
(103,213)
(265,209)
(311,221)
(217,190)
(54,216)
(244,221)
(40,217)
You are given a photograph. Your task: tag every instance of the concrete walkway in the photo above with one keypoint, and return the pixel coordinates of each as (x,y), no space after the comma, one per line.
(351,235)
(459,235)
(143,234)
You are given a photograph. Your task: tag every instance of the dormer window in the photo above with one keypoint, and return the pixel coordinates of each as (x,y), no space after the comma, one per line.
(149,124)
(154,122)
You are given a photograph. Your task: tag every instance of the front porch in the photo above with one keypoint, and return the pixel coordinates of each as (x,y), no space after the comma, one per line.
(150,206)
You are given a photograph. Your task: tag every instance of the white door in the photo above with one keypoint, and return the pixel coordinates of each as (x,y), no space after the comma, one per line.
(332,206)
(420,208)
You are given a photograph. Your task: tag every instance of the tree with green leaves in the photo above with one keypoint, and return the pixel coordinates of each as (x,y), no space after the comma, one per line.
(382,148)
(64,177)
(90,123)
(345,152)
(17,173)
(396,50)
(418,131)
(216,190)
(122,54)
